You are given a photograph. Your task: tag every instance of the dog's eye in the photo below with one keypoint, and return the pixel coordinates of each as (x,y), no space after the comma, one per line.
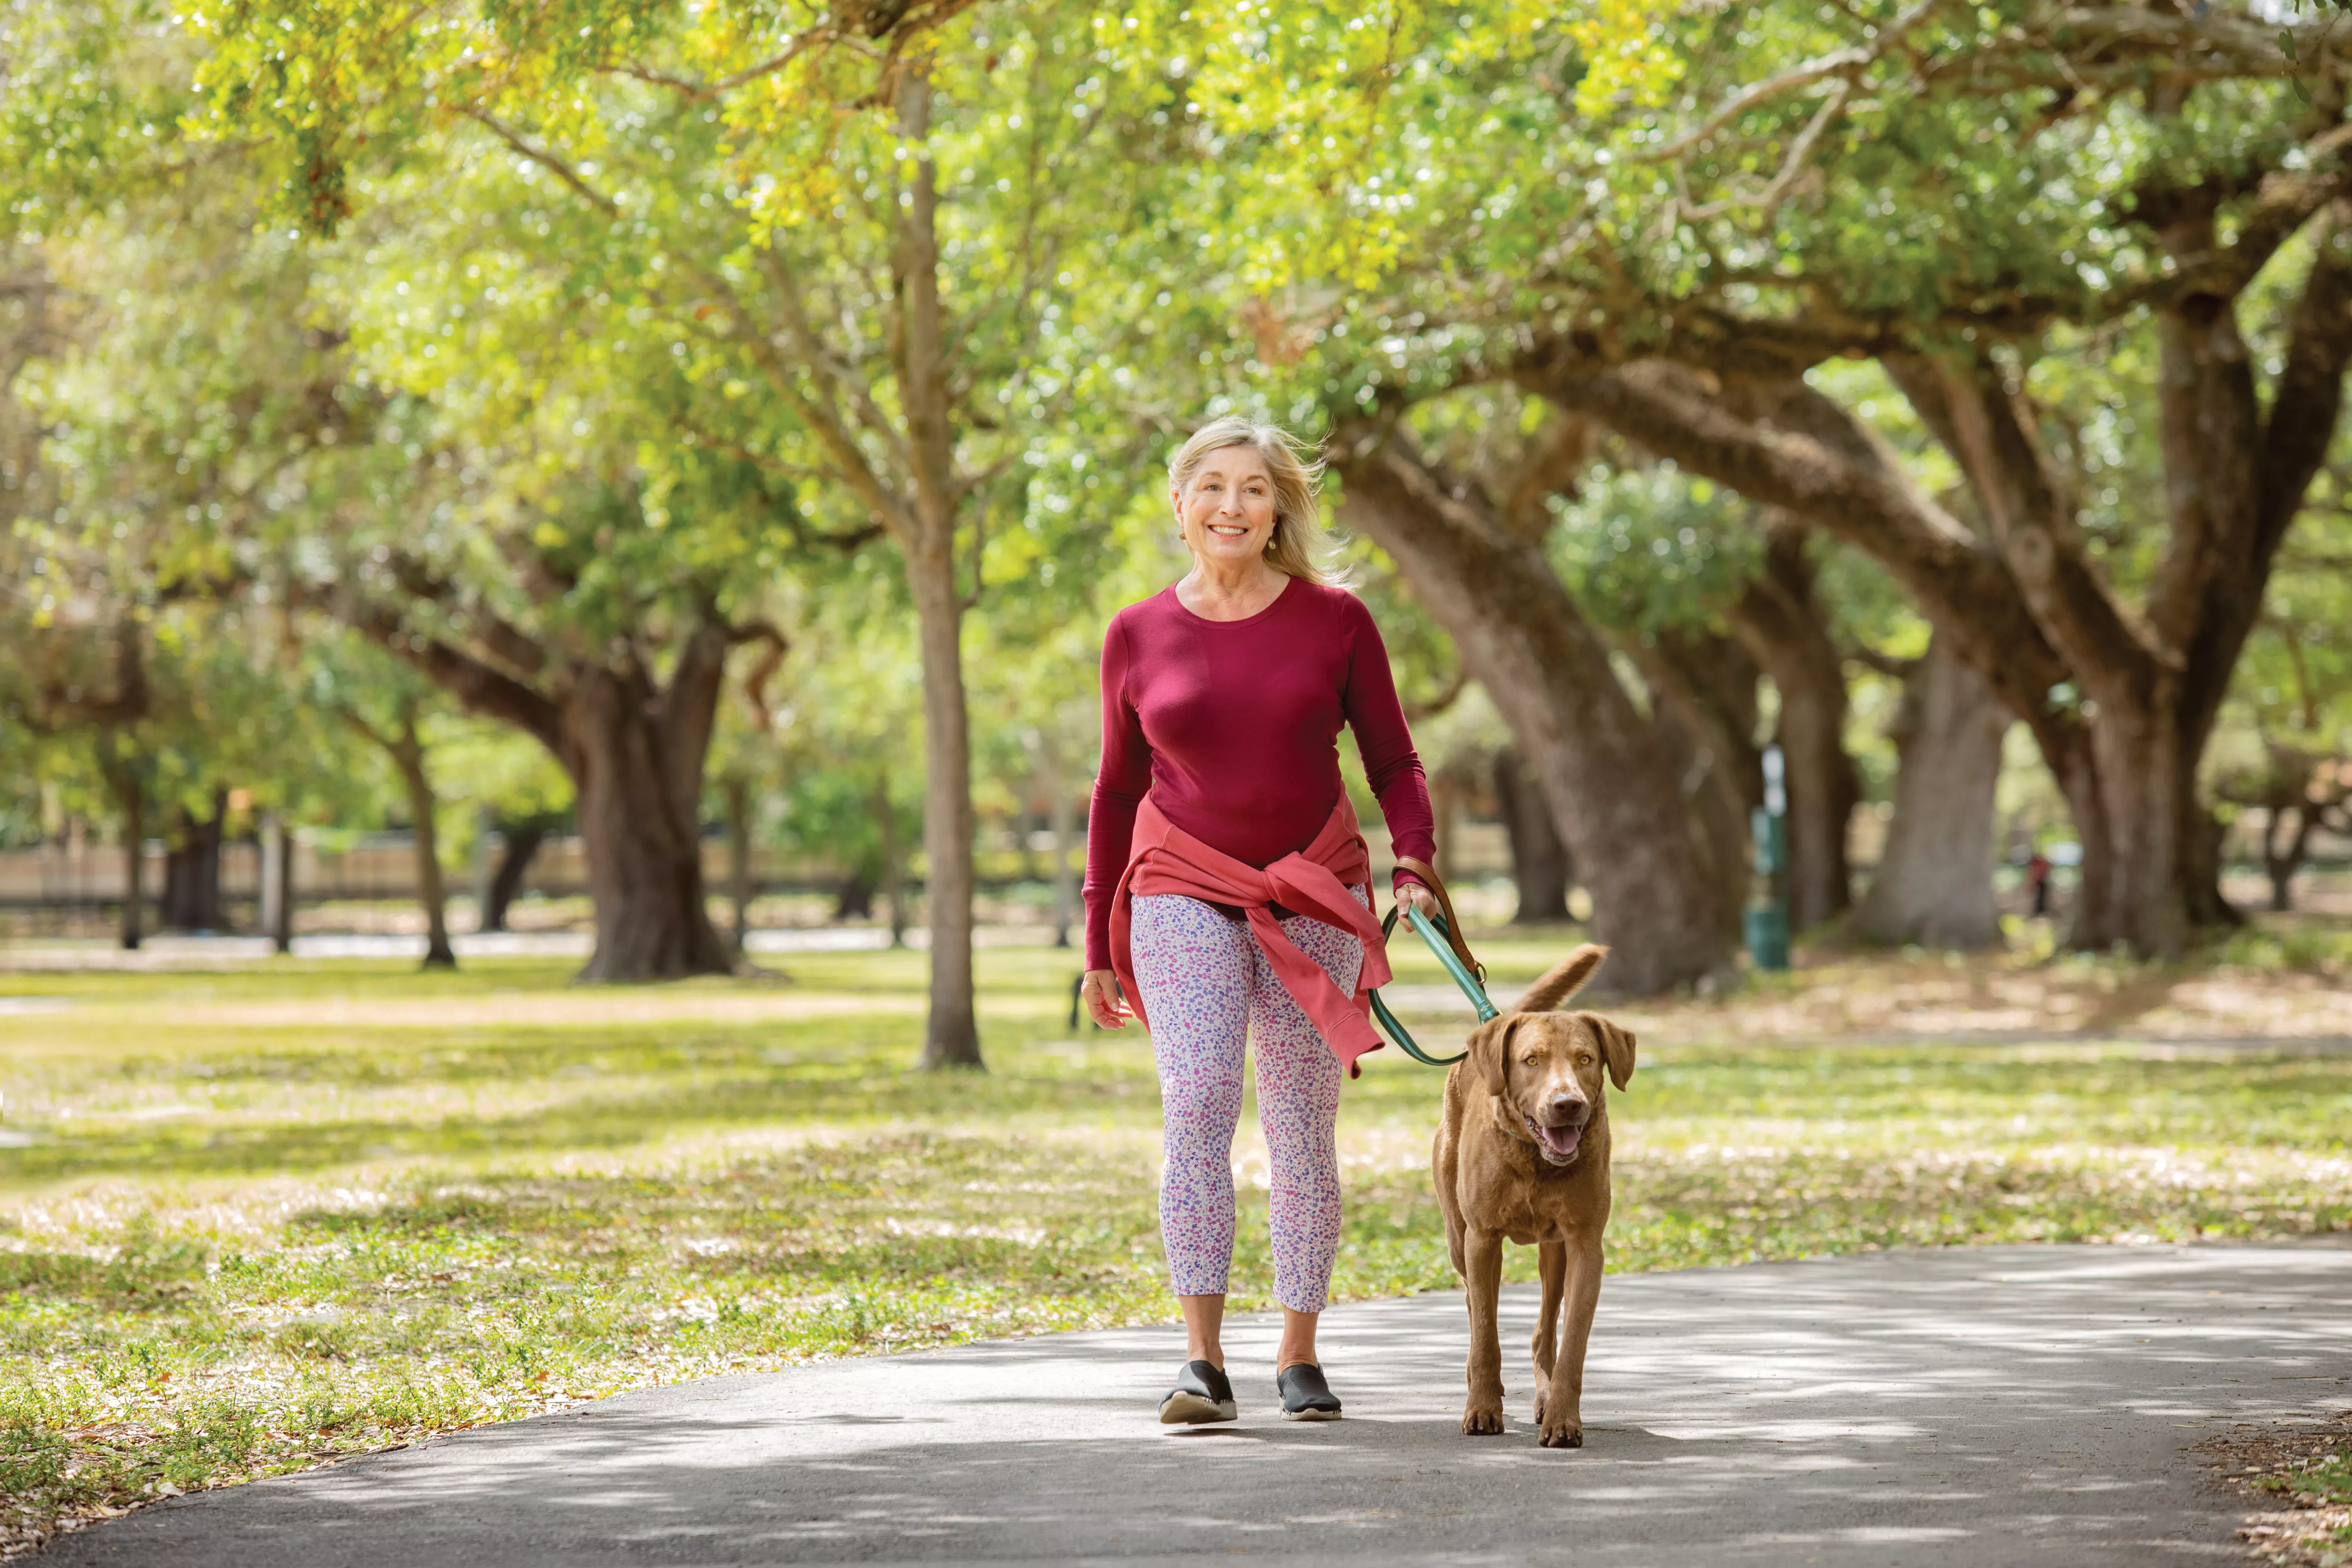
(1584,1059)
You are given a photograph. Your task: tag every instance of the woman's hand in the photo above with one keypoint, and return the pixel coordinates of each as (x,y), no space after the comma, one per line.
(1413,896)
(1099,991)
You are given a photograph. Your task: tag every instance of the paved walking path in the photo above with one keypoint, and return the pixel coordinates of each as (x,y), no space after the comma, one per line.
(2003,1406)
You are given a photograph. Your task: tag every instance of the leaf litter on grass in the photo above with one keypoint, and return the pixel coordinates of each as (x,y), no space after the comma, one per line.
(2298,1477)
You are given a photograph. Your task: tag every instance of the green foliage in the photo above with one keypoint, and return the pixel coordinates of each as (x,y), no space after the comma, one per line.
(1646,548)
(589,319)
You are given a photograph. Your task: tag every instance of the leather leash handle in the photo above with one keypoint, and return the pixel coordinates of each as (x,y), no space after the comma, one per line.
(1428,875)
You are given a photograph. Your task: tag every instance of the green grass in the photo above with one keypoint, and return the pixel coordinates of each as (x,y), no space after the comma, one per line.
(2325,1480)
(268,1215)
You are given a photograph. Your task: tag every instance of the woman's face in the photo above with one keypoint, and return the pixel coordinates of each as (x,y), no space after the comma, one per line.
(1227,509)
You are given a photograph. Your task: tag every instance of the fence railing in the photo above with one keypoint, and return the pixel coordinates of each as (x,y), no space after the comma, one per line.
(70,874)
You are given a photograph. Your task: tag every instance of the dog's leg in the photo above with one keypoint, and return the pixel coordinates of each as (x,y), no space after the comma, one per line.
(1552,1259)
(1483,1415)
(1444,1169)
(1563,1426)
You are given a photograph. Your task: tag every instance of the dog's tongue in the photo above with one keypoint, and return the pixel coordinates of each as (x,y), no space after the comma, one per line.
(1559,1140)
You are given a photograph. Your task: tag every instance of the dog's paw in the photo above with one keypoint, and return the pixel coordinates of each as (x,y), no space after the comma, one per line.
(1482,1420)
(1541,1393)
(1562,1434)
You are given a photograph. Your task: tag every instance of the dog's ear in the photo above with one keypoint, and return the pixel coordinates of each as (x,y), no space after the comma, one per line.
(1616,1046)
(1564,981)
(1490,1052)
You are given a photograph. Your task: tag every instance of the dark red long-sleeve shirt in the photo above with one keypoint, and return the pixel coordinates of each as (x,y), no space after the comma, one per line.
(1232,726)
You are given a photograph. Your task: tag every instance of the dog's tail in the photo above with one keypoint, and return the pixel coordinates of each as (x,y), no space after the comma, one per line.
(1563,980)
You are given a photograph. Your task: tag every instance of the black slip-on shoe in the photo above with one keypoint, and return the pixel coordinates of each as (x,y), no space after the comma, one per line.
(1202,1394)
(1305,1395)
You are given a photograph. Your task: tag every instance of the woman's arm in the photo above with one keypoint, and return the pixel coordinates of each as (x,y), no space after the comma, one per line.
(1390,763)
(1120,786)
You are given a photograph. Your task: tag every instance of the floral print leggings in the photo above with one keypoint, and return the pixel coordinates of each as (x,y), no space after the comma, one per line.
(1209,991)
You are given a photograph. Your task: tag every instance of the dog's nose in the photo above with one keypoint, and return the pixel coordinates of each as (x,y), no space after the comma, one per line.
(1566,1105)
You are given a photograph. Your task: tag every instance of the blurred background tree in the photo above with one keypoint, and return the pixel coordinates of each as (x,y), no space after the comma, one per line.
(1863,382)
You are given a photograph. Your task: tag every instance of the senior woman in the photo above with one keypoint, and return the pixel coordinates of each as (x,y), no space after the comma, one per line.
(1226,892)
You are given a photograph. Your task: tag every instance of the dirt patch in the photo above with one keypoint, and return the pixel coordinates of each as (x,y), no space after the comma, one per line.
(2298,1476)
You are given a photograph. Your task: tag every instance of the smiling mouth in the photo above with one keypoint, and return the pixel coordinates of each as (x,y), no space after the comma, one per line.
(1557,1144)
(1222,531)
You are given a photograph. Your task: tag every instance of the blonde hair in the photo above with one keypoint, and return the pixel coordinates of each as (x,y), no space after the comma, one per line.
(1298,545)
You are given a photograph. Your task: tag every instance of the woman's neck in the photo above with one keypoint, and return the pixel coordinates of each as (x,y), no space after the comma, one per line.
(1214,592)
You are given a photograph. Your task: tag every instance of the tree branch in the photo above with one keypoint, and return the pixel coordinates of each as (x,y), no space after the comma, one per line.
(2309,393)
(1870,658)
(1562,447)
(1870,504)
(774,646)
(545,160)
(822,417)
(2283,202)
(689,711)
(478,686)
(1415,712)
(497,636)
(2032,517)
(1849,63)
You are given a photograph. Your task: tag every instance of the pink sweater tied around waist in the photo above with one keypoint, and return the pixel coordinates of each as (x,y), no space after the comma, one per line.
(1163,858)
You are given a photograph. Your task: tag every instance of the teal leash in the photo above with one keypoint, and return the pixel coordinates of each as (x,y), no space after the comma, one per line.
(1433,933)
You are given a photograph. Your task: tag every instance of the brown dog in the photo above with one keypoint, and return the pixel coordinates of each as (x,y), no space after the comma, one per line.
(1522,1154)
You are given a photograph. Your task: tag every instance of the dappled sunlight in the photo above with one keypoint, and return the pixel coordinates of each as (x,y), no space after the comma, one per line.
(2030,1402)
(229,1250)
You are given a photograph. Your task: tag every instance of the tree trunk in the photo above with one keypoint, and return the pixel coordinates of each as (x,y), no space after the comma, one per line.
(738,792)
(1934,883)
(1066,875)
(1061,821)
(1613,791)
(277,882)
(922,355)
(894,866)
(635,753)
(1028,822)
(1444,809)
(1778,620)
(2120,700)
(854,899)
(431,892)
(1704,713)
(2125,789)
(520,845)
(132,802)
(1540,862)
(634,750)
(951,1035)
(2282,860)
(192,900)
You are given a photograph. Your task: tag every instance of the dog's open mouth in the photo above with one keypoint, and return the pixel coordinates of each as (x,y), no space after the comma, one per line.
(1558,1143)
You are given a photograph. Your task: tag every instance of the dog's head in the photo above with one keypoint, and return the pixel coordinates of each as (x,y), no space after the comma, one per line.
(1546,1065)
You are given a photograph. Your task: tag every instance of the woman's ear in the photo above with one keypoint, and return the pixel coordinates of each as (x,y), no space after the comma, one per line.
(1490,1052)
(1616,1047)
